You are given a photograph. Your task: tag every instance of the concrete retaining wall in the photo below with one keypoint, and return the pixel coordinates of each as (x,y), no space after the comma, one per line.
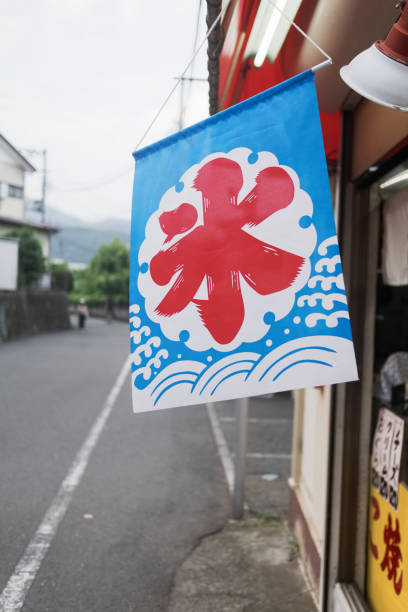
(24,313)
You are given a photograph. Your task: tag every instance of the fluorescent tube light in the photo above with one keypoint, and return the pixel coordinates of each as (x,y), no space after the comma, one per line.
(399,178)
(270,31)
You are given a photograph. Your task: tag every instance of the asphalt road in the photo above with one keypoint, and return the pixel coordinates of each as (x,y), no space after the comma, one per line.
(152,488)
(269,442)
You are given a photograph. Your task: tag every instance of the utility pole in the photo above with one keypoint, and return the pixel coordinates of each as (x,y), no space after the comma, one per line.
(40,204)
(44,184)
(241,434)
(181,113)
(182,81)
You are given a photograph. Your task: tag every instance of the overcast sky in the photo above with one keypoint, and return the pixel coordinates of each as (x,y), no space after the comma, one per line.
(84,78)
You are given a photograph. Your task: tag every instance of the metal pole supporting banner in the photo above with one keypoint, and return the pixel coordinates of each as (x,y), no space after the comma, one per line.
(241,428)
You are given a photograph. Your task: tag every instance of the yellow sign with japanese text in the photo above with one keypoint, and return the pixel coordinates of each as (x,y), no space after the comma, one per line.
(387,560)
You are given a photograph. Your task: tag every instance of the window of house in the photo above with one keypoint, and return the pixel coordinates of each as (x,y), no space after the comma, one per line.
(15,192)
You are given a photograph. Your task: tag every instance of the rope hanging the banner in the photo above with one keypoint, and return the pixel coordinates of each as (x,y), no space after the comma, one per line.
(153,121)
(328,59)
(219,18)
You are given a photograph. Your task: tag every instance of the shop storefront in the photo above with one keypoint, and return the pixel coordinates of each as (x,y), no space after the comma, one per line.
(366,551)
(387,550)
(349,483)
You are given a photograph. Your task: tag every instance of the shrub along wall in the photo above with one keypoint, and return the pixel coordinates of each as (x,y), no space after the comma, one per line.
(28,312)
(120,313)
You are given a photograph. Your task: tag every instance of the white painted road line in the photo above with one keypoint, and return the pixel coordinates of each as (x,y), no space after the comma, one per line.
(222,446)
(268,456)
(270,421)
(13,597)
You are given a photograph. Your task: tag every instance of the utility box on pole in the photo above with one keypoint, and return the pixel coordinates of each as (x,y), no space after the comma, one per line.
(8,264)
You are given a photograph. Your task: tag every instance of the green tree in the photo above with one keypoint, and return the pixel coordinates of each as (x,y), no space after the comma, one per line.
(62,277)
(31,263)
(107,274)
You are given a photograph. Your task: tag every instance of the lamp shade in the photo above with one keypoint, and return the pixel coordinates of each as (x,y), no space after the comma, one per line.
(379,78)
(380,73)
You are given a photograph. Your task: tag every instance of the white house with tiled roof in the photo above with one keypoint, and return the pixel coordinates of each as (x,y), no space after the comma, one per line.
(13,168)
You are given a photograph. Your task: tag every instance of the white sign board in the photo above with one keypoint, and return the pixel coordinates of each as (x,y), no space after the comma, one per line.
(386,457)
(8,264)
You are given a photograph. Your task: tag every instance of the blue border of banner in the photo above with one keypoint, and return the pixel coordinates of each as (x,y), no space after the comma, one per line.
(308,75)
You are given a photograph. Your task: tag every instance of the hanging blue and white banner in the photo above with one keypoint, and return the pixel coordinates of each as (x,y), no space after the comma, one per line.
(236,283)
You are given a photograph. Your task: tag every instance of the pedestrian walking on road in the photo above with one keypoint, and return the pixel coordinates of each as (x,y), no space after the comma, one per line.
(82,312)
(109,304)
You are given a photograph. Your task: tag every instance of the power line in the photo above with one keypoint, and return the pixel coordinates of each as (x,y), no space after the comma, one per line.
(92,186)
(179,80)
(209,31)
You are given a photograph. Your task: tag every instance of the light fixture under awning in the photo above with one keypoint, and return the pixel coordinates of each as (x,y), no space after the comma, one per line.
(270,29)
(380,73)
(396,180)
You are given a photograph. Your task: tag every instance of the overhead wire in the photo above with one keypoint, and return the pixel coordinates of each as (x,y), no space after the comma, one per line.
(123,173)
(214,24)
(93,186)
(179,80)
(302,32)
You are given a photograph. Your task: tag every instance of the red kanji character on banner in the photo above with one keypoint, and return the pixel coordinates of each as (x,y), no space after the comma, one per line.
(221,250)
(376,516)
(392,555)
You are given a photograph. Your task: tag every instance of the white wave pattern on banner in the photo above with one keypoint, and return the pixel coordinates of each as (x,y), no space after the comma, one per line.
(326,282)
(310,361)
(331,299)
(155,362)
(136,335)
(326,300)
(329,263)
(134,309)
(134,321)
(228,367)
(326,265)
(144,351)
(323,246)
(331,320)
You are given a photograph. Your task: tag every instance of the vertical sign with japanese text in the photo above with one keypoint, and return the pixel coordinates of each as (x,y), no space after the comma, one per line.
(386,456)
(387,556)
(387,561)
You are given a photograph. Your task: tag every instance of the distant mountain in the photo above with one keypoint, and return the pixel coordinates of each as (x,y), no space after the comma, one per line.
(119,225)
(60,219)
(78,240)
(80,243)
